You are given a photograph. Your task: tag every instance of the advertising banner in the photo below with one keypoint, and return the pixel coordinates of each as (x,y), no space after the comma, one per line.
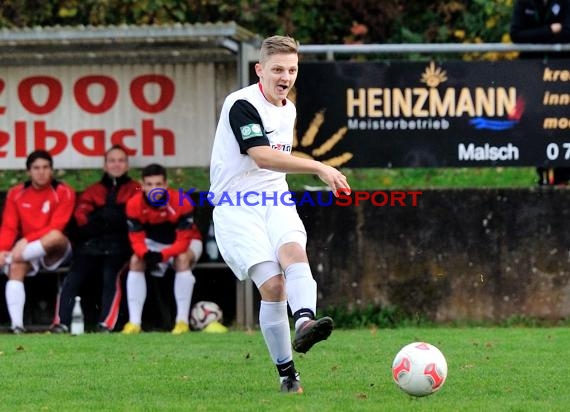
(428,114)
(159,113)
(353,114)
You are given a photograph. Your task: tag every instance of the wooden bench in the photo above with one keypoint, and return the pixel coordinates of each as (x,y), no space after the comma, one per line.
(244,291)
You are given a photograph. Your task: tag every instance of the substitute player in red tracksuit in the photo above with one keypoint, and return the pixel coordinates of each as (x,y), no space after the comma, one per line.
(35,215)
(101,246)
(162,232)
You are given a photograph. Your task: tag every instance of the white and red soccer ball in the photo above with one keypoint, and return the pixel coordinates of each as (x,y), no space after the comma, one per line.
(419,369)
(203,313)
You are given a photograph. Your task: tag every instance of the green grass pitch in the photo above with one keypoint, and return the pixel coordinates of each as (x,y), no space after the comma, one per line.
(490,369)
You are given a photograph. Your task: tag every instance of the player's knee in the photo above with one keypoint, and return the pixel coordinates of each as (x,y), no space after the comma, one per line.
(183,261)
(136,263)
(54,239)
(292,252)
(273,290)
(18,271)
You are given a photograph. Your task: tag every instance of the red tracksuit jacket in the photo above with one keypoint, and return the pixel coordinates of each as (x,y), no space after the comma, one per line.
(31,213)
(171,224)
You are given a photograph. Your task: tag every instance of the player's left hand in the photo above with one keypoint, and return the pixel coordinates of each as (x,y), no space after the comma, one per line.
(152,258)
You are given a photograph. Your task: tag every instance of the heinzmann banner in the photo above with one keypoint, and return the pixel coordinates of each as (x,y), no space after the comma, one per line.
(450,114)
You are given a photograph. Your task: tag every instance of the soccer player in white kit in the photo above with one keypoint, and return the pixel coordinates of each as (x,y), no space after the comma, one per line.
(258,230)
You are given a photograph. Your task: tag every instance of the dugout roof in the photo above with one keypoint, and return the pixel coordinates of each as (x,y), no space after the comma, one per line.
(125,44)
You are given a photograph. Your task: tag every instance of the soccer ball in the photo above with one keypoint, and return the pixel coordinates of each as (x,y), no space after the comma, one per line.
(419,369)
(203,313)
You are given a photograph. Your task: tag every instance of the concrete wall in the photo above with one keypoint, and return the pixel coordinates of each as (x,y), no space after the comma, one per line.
(459,255)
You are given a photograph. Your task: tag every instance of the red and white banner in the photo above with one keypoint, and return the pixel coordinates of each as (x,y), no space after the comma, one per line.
(159,113)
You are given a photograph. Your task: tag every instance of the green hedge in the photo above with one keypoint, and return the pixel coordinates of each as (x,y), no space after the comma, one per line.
(310,21)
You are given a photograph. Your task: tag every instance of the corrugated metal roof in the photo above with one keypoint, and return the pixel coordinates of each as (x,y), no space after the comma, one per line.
(124,44)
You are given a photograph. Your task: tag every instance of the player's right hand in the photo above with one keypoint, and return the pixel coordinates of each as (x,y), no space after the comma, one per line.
(334,179)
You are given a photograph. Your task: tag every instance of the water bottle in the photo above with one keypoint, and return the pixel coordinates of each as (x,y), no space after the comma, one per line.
(77,321)
(211,245)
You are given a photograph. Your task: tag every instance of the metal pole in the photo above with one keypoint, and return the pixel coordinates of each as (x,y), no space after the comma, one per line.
(332,49)
(245,55)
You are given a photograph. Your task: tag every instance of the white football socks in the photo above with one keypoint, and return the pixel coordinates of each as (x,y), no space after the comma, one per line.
(15,301)
(183,288)
(136,295)
(274,324)
(301,289)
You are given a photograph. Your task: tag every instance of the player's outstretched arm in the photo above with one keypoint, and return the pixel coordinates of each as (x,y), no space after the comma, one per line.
(267,158)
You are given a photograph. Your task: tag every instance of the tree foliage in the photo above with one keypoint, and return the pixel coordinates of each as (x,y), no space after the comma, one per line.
(310,21)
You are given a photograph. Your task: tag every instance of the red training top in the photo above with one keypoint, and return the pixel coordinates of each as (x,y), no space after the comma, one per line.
(31,213)
(171,224)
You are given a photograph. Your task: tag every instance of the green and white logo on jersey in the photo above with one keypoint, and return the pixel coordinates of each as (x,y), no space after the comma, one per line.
(250,130)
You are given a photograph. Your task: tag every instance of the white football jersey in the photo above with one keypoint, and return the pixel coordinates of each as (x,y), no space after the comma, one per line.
(247,120)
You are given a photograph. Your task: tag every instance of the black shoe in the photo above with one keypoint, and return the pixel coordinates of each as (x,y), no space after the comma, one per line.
(18,330)
(291,384)
(102,328)
(58,328)
(311,332)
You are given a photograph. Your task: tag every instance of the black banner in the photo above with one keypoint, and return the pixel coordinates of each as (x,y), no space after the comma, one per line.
(450,114)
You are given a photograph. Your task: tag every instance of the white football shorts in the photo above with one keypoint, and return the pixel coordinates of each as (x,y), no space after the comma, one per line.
(39,263)
(248,235)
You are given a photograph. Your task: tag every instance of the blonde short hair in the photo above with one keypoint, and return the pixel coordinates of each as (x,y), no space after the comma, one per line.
(277,45)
